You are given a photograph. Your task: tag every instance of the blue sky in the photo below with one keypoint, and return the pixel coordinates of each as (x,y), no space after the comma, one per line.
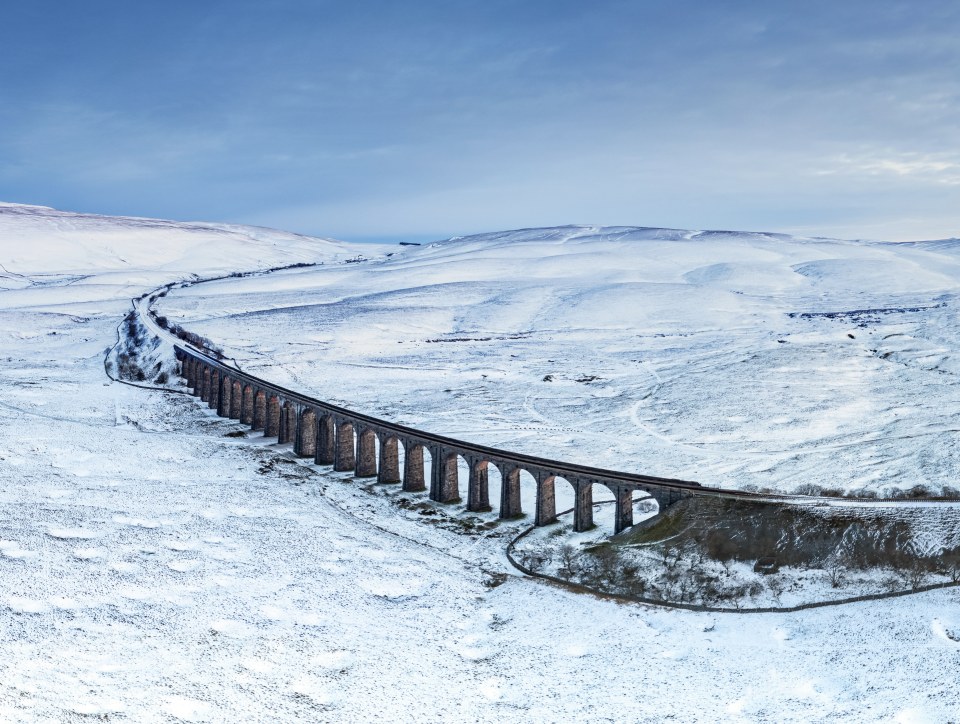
(423,119)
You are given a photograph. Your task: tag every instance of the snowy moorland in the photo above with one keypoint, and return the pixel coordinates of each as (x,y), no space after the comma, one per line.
(735,360)
(156,567)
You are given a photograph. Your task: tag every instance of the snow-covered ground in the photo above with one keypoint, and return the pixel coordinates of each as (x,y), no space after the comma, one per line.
(731,359)
(155,569)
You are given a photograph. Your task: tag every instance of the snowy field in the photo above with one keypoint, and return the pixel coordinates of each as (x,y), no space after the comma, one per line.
(154,569)
(734,360)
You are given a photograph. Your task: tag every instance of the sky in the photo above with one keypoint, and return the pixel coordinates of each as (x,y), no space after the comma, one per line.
(425,119)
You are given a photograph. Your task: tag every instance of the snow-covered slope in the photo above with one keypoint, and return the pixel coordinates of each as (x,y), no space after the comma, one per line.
(37,240)
(155,567)
(735,359)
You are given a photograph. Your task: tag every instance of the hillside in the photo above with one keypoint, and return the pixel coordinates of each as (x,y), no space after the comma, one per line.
(731,358)
(38,240)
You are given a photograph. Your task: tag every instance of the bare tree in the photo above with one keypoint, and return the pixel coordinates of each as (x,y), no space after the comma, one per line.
(836,570)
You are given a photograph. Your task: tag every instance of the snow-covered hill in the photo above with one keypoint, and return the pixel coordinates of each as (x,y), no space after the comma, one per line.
(36,240)
(736,359)
(156,567)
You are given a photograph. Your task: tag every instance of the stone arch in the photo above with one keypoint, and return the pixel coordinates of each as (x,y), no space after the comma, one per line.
(625,497)
(305,442)
(246,405)
(388,469)
(272,423)
(344,456)
(414,480)
(326,441)
(366,462)
(551,497)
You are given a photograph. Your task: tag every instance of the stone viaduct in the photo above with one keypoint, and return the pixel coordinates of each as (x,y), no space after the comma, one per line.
(350,441)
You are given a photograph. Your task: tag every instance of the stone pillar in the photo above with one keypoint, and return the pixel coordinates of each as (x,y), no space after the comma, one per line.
(305,445)
(214,401)
(221,398)
(546,501)
(510,493)
(478,489)
(246,405)
(207,380)
(326,442)
(444,487)
(345,459)
(259,410)
(623,517)
(195,375)
(583,506)
(389,468)
(288,423)
(187,372)
(413,481)
(366,463)
(450,482)
(282,429)
(226,392)
(271,427)
(236,400)
(291,426)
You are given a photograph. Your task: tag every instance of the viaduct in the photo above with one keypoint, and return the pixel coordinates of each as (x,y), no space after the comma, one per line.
(350,441)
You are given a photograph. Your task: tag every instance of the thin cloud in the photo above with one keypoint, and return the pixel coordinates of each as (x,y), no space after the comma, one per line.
(936,168)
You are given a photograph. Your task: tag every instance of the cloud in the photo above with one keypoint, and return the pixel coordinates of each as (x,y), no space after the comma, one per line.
(940,168)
